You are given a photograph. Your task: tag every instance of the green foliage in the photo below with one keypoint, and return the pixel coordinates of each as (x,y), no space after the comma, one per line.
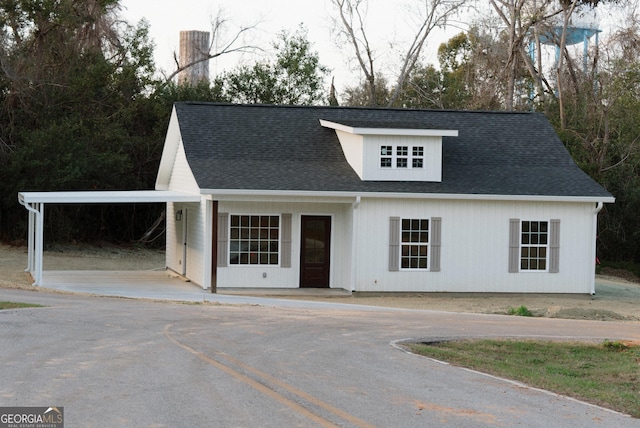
(425,88)
(77,113)
(18,305)
(614,345)
(294,77)
(454,54)
(469,76)
(360,95)
(520,311)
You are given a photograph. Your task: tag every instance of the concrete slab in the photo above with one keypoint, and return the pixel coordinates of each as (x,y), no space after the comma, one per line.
(134,284)
(164,285)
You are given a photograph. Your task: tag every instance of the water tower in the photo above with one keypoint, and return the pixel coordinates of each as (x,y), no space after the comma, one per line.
(580,30)
(194,47)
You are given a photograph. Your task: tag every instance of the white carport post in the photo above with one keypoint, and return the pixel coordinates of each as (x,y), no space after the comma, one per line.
(35,238)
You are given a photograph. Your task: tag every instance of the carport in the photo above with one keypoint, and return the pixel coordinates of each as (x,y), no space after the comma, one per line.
(35,203)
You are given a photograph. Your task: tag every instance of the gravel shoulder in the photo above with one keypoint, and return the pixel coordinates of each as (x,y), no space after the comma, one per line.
(616,298)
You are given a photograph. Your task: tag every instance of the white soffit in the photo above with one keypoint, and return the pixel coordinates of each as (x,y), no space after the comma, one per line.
(390,131)
(107,197)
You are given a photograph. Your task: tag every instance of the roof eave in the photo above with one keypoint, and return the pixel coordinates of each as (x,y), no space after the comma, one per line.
(447,196)
(107,197)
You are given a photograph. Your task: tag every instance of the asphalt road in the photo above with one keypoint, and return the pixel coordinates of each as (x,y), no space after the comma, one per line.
(130,363)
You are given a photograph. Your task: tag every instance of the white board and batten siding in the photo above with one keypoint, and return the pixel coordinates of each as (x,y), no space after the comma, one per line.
(191,260)
(182,178)
(277,276)
(195,215)
(474,251)
(474,247)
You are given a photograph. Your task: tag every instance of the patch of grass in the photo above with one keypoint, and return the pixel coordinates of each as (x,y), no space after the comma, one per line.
(14,305)
(521,311)
(604,374)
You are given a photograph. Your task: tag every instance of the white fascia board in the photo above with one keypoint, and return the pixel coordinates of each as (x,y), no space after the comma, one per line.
(390,131)
(222,194)
(107,197)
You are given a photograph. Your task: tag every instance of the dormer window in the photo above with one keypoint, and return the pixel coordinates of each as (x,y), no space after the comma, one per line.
(401,157)
(392,151)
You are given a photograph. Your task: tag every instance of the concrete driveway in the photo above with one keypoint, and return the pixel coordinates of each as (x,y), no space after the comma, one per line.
(126,362)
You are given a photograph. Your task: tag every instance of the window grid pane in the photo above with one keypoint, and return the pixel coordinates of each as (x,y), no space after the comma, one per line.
(254,239)
(402,157)
(533,245)
(414,253)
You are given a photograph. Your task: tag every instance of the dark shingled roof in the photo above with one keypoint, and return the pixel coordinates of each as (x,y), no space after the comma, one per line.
(264,147)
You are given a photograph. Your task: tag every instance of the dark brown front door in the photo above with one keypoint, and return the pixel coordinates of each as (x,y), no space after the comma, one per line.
(315,251)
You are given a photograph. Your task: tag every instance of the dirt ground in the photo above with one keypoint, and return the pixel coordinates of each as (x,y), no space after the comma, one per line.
(616,298)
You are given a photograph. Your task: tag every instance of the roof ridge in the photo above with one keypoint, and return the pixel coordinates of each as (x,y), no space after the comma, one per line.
(361,108)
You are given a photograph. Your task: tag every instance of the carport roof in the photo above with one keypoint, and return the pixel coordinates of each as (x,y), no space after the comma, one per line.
(35,202)
(108,197)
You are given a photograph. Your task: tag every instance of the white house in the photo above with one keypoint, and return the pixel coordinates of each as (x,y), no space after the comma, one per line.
(368,199)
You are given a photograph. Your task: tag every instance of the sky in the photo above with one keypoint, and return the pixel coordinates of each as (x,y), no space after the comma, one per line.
(168,17)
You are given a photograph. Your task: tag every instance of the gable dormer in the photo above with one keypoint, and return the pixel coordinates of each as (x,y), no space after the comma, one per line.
(392,151)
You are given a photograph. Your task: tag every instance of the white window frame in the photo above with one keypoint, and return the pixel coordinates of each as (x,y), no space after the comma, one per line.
(404,243)
(546,246)
(394,156)
(231,240)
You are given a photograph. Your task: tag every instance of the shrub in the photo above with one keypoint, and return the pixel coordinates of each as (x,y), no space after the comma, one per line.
(521,311)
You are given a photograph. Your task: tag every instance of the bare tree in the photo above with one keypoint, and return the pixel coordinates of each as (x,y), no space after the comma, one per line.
(533,20)
(351,27)
(351,24)
(522,19)
(432,14)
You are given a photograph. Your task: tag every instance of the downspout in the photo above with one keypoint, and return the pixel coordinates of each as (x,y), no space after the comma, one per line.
(598,208)
(36,225)
(30,241)
(354,242)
